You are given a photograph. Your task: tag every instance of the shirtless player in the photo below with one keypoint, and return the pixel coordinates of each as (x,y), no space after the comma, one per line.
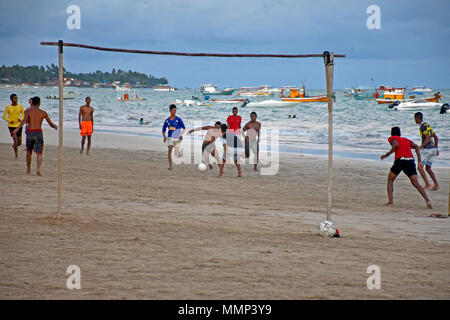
(35,139)
(86,123)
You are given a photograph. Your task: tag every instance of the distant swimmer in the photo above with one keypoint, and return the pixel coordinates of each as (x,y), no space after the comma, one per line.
(253,129)
(35,138)
(208,145)
(404,161)
(142,122)
(14,114)
(174,137)
(86,124)
(445,108)
(429,150)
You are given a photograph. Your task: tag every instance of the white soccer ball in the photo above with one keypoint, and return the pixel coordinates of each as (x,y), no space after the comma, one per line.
(328,229)
(202,167)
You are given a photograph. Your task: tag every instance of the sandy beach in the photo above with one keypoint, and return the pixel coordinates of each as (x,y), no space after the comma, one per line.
(138,231)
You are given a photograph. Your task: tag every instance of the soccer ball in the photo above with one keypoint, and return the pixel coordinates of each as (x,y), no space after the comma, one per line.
(328,229)
(202,167)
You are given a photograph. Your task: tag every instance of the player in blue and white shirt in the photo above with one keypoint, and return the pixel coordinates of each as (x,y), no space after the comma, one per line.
(174,135)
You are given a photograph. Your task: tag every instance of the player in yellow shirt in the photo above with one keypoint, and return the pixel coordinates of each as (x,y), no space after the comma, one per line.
(13,115)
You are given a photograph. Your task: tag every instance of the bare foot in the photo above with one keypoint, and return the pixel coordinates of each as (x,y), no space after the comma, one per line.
(388,204)
(427,187)
(28,171)
(429,205)
(219,176)
(169,168)
(38,173)
(435,188)
(437,215)
(239,175)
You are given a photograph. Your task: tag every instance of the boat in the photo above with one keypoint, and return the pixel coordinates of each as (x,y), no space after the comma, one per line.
(255,91)
(271,104)
(227,101)
(193,102)
(416,104)
(298,95)
(391,94)
(365,93)
(164,88)
(209,89)
(127,94)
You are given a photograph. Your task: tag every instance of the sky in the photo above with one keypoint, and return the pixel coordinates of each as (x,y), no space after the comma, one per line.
(410,48)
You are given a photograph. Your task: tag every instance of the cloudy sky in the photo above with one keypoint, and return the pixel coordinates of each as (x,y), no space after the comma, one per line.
(411,48)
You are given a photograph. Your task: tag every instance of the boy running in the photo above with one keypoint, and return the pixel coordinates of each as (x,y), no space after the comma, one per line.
(208,146)
(35,139)
(13,115)
(228,139)
(428,150)
(404,161)
(174,137)
(86,124)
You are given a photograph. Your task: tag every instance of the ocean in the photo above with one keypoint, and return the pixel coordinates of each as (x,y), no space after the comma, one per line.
(360,128)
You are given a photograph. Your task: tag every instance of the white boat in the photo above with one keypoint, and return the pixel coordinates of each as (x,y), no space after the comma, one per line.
(194,102)
(415,105)
(164,88)
(272,104)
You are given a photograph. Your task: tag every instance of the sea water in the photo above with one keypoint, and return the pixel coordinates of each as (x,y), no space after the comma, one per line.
(360,128)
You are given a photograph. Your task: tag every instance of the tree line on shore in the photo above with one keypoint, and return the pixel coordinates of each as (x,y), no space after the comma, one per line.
(18,74)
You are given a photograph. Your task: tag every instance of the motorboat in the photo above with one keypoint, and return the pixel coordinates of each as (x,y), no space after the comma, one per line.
(271,104)
(417,104)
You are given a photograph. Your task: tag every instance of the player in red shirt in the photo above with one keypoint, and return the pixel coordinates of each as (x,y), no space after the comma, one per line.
(234,122)
(404,161)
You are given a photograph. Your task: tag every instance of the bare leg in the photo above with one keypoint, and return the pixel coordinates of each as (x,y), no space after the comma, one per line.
(170,157)
(433,177)
(39,163)
(424,177)
(83,140)
(220,170)
(28,160)
(421,190)
(238,166)
(19,141)
(390,187)
(15,145)
(88,145)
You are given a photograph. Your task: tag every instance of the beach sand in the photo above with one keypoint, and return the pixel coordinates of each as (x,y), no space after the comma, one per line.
(138,231)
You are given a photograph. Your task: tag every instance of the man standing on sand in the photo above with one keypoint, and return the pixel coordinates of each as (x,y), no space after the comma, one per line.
(13,115)
(35,139)
(208,145)
(86,124)
(428,150)
(234,128)
(404,161)
(252,128)
(174,137)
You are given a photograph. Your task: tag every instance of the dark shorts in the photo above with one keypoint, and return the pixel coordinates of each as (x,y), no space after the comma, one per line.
(205,145)
(35,141)
(407,166)
(19,133)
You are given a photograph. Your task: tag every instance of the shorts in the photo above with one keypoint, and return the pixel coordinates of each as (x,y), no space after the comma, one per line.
(19,133)
(427,156)
(407,166)
(251,145)
(173,142)
(35,141)
(86,128)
